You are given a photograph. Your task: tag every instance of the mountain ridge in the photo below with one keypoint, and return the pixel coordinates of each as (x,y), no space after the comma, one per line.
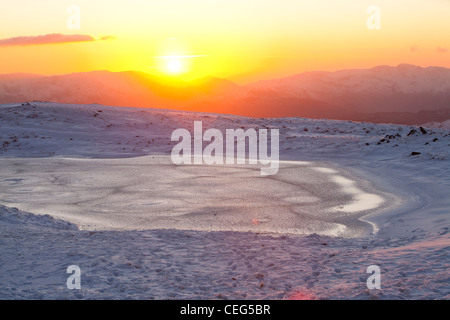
(348,94)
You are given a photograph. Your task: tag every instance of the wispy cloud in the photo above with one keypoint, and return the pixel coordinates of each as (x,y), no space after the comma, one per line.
(54,38)
(108,38)
(441,50)
(180,56)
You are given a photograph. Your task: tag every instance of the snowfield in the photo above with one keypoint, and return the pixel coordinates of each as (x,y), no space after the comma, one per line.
(93,186)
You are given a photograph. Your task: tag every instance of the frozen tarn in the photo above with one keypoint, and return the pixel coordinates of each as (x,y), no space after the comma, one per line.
(151,193)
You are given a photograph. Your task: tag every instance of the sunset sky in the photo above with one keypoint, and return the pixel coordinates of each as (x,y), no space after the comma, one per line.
(241,40)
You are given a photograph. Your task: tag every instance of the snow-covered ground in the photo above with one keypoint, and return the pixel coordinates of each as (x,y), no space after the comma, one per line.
(94,187)
(440,125)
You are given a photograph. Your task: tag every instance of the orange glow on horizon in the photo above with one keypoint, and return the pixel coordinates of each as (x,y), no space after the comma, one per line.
(241,41)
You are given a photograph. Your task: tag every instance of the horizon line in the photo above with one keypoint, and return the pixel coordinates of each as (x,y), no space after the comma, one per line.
(176,78)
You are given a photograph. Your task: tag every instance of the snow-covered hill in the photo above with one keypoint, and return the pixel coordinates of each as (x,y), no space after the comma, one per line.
(51,151)
(404,94)
(405,88)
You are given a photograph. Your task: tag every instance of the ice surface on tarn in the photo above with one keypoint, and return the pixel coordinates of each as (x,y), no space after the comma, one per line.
(151,193)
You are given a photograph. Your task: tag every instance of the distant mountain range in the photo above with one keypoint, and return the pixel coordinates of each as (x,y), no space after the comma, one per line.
(404,94)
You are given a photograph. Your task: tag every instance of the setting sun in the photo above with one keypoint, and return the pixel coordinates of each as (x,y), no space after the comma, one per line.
(173,65)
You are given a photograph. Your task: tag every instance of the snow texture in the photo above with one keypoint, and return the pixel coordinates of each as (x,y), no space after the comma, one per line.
(82,185)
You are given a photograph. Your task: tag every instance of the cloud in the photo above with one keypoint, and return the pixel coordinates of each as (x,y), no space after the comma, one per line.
(53,38)
(108,38)
(441,50)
